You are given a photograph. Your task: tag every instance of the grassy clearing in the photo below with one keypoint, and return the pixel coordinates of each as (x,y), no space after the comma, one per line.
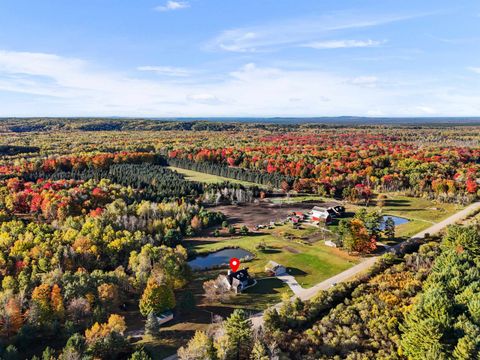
(310,263)
(267,292)
(419,208)
(296,199)
(207,178)
(159,348)
(422,213)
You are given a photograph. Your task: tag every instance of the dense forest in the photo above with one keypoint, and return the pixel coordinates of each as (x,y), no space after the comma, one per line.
(153,182)
(86,237)
(365,161)
(93,227)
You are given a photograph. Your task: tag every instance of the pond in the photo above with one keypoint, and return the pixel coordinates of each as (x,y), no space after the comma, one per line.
(397,220)
(217,258)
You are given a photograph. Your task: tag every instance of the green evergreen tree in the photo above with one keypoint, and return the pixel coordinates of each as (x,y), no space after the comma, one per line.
(152,326)
(389,228)
(259,352)
(140,355)
(239,332)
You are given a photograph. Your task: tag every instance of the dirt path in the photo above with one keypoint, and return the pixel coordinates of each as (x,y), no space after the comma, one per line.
(305,294)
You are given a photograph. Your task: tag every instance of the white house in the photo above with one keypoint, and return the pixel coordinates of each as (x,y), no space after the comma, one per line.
(238,281)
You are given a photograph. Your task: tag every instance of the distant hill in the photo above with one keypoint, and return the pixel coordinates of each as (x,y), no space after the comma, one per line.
(41,124)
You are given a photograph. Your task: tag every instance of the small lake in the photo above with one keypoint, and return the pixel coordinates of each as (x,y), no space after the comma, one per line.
(397,220)
(217,258)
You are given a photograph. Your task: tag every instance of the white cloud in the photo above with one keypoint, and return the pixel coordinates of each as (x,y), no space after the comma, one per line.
(297,32)
(427,110)
(173,5)
(370,81)
(338,44)
(36,84)
(166,70)
(204,98)
(476,70)
(375,112)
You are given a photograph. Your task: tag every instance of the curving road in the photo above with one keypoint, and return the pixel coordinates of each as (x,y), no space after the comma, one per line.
(305,294)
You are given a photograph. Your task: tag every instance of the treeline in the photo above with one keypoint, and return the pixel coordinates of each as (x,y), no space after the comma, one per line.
(258,177)
(231,193)
(155,182)
(25,125)
(103,124)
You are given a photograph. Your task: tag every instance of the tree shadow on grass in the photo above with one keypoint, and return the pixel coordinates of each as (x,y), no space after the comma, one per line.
(266,286)
(270,251)
(295,271)
(397,202)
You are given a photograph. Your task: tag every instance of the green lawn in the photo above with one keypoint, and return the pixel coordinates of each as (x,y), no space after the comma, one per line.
(422,213)
(159,348)
(419,208)
(267,292)
(309,263)
(295,199)
(207,178)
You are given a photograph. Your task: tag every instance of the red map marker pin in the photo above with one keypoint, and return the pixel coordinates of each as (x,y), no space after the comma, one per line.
(234,264)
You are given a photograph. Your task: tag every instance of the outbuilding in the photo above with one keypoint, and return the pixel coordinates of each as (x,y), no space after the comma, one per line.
(275,268)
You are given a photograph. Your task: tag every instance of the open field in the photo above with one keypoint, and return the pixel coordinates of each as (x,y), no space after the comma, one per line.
(422,213)
(207,178)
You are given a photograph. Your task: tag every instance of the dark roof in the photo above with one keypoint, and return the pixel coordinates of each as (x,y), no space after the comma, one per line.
(241,275)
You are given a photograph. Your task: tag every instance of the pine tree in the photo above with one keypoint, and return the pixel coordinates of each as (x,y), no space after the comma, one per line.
(259,352)
(140,355)
(151,325)
(238,329)
(389,228)
(467,348)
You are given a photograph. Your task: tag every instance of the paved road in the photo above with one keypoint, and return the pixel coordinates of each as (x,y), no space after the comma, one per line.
(305,294)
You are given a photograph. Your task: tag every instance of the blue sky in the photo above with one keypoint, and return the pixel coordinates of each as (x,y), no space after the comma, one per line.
(239,58)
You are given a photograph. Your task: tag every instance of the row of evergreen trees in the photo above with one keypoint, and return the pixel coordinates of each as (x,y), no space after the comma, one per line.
(258,177)
(156,182)
(14,150)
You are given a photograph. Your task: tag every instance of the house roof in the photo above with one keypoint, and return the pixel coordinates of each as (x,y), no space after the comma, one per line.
(272,264)
(241,275)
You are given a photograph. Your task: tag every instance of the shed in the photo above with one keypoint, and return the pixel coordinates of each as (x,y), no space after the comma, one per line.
(275,268)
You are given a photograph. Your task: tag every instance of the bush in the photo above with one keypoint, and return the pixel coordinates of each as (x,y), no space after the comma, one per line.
(244,230)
